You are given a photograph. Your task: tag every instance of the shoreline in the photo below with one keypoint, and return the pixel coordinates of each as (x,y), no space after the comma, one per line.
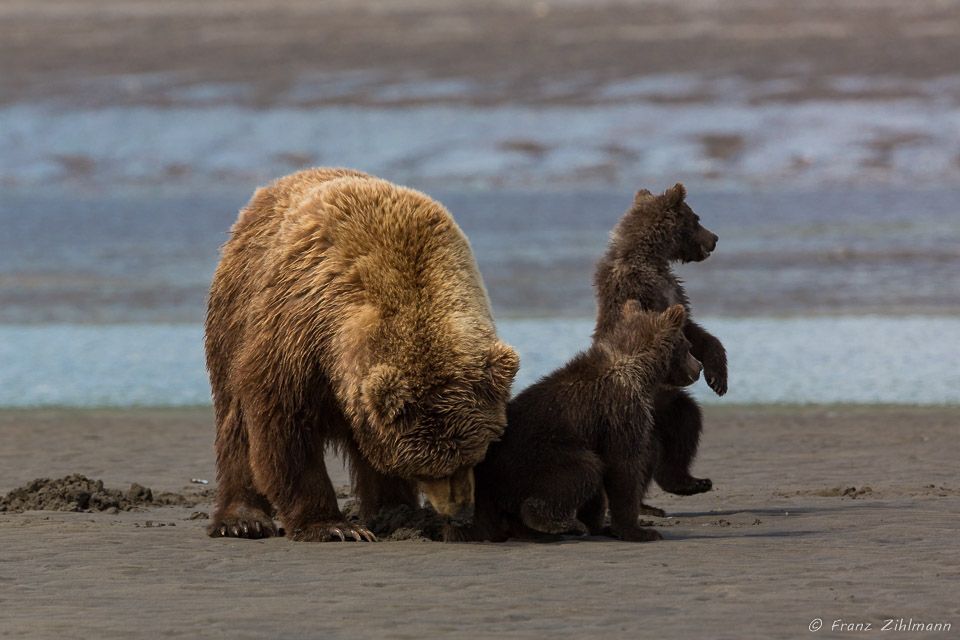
(851,359)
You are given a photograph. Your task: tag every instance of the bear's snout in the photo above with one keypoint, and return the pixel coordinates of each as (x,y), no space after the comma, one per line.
(462,520)
(451,497)
(708,241)
(694,368)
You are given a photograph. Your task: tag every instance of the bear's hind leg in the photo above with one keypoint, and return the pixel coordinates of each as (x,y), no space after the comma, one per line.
(647,510)
(593,513)
(376,491)
(678,423)
(623,480)
(242,511)
(554,494)
(550,518)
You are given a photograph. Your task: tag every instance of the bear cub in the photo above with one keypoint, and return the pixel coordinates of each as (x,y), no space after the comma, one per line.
(655,232)
(580,437)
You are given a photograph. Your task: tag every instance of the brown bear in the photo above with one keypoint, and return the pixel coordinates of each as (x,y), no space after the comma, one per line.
(656,231)
(580,437)
(348,312)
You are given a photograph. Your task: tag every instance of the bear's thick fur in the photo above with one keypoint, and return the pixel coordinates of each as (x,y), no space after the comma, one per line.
(580,437)
(655,231)
(348,312)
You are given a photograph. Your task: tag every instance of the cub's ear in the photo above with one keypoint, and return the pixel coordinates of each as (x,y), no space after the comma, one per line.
(631,309)
(501,365)
(384,392)
(675,196)
(642,194)
(674,318)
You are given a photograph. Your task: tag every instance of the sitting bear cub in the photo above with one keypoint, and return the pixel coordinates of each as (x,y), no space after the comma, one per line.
(581,437)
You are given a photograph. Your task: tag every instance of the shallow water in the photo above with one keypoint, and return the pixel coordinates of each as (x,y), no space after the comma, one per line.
(116,199)
(729,140)
(148,254)
(909,360)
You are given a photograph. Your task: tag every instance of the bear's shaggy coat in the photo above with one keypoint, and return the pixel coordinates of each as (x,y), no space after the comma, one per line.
(655,231)
(580,437)
(348,312)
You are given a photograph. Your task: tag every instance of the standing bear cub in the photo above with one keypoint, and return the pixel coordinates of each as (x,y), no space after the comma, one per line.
(656,231)
(580,437)
(348,312)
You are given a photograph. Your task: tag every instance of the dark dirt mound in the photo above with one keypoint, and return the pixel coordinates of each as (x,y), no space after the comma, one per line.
(400,523)
(79,493)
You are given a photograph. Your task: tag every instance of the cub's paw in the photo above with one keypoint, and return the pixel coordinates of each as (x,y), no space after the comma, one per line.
(717,382)
(715,371)
(633,534)
(572,527)
(249,525)
(689,486)
(539,516)
(332,532)
(647,510)
(564,527)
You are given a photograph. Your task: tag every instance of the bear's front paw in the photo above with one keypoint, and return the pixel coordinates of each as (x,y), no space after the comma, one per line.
(633,534)
(647,510)
(716,377)
(715,370)
(332,532)
(717,382)
(688,486)
(243,527)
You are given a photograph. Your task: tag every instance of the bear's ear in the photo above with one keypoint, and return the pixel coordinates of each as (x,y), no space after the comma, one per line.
(674,318)
(501,365)
(675,196)
(640,195)
(385,392)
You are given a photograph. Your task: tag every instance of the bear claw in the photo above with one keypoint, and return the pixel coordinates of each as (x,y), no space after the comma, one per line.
(332,533)
(252,529)
(718,384)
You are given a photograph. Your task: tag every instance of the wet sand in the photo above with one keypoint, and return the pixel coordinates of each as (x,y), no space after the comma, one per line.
(842,513)
(511,48)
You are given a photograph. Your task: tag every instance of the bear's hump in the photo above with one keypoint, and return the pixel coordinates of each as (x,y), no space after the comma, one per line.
(395,267)
(394,244)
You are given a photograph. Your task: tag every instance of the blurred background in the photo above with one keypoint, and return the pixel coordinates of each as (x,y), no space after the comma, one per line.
(819,139)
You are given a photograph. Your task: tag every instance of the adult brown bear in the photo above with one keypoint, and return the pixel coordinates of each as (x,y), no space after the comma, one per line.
(348,312)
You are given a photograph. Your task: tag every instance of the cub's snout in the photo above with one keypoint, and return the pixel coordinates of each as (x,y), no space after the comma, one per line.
(708,242)
(692,369)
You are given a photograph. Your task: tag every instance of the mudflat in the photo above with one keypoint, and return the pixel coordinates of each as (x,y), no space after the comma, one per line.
(513,48)
(832,513)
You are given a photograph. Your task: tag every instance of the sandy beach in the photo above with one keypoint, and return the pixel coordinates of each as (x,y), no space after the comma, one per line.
(836,513)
